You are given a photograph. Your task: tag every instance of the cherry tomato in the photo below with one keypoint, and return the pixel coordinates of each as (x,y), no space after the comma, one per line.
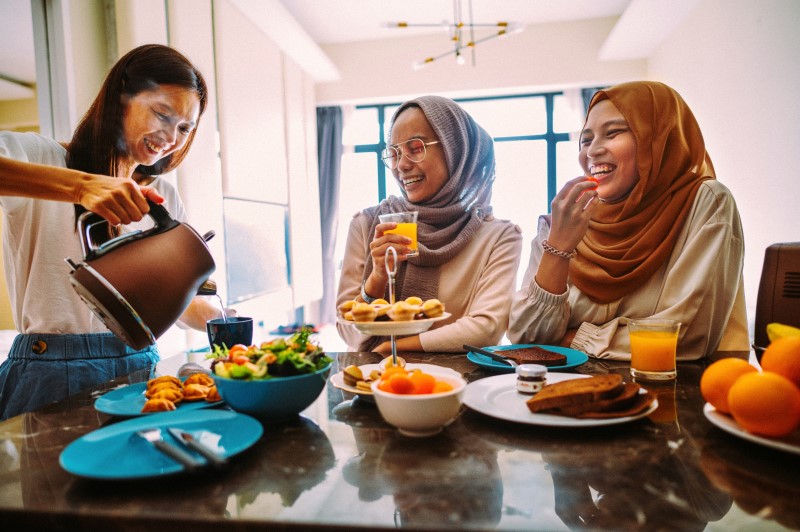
(241,360)
(238,348)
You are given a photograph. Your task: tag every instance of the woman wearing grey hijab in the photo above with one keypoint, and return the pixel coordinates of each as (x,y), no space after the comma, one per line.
(444,164)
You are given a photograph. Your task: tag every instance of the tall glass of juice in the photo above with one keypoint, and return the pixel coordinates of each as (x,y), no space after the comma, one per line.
(654,345)
(406,226)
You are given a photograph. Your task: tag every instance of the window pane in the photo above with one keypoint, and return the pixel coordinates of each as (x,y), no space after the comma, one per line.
(510,117)
(567,113)
(361,127)
(388,113)
(520,189)
(567,166)
(357,191)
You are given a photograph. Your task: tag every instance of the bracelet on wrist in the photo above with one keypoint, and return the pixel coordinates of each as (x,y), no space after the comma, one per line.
(364,295)
(558,252)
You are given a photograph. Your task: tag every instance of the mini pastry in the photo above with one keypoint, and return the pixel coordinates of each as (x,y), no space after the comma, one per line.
(381,309)
(351,375)
(158,405)
(380,302)
(364,312)
(152,390)
(195,392)
(346,307)
(170,394)
(213,395)
(348,316)
(433,308)
(414,301)
(199,378)
(402,311)
(162,379)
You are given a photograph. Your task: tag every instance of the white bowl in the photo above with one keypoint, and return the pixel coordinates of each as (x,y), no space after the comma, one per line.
(421,415)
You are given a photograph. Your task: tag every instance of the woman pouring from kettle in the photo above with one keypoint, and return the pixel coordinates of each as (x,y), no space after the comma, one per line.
(140,125)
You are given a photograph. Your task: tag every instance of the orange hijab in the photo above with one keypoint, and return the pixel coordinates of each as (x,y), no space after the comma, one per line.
(628,241)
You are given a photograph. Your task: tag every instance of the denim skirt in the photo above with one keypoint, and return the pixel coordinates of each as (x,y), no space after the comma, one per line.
(43,368)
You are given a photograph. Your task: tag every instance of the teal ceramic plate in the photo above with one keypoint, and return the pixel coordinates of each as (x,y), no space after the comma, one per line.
(115,452)
(129,400)
(574,357)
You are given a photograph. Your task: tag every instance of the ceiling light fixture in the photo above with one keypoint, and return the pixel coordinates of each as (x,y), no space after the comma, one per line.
(456,30)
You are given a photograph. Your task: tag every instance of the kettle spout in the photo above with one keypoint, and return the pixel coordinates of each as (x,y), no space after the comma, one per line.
(208,288)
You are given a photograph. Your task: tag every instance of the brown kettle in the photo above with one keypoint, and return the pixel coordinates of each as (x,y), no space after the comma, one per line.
(139,283)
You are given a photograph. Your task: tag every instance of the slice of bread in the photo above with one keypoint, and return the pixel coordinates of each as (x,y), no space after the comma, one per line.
(621,402)
(576,391)
(641,402)
(534,355)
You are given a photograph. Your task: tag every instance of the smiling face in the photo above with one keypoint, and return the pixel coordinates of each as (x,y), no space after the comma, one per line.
(157,123)
(608,152)
(420,181)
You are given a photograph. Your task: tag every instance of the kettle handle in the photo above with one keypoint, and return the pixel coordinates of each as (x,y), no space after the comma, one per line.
(89,220)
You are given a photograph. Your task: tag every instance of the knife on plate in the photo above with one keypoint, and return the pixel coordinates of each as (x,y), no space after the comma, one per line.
(196,445)
(153,436)
(491,354)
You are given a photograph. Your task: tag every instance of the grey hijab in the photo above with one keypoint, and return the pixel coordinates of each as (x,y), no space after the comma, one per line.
(449,220)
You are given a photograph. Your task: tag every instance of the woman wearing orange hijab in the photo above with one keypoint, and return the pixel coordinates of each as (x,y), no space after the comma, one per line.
(647,232)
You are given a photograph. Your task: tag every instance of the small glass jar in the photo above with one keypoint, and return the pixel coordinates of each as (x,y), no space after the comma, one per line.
(531,378)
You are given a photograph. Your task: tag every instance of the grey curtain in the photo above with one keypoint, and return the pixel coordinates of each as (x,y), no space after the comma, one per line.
(329,154)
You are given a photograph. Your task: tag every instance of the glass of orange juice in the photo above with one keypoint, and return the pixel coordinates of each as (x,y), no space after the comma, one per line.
(654,344)
(406,226)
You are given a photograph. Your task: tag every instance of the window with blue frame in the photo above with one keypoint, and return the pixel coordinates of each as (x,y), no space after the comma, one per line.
(533,147)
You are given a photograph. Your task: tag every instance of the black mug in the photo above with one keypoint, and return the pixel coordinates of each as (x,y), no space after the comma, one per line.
(230,331)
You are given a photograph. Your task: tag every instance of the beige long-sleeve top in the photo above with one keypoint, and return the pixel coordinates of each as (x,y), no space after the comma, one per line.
(475,287)
(701,286)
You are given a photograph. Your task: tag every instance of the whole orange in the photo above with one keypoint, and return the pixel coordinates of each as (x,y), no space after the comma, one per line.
(782,356)
(765,403)
(718,378)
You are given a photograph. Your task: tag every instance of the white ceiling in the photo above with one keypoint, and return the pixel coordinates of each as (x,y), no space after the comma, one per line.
(334,21)
(328,21)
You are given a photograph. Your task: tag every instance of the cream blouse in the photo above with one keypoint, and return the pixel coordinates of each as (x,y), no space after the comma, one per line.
(701,285)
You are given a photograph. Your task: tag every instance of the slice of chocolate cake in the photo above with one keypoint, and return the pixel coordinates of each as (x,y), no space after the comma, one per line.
(534,355)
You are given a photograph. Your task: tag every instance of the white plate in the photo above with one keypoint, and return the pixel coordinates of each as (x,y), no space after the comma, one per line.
(338,379)
(387,328)
(498,397)
(790,443)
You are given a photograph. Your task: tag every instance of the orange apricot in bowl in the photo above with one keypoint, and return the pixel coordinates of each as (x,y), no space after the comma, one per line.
(402,381)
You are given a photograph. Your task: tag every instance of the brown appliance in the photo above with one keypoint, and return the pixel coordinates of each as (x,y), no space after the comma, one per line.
(140,283)
(778,292)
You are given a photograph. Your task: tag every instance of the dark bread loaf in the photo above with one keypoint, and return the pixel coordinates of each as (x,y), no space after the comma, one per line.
(623,401)
(576,391)
(640,403)
(534,355)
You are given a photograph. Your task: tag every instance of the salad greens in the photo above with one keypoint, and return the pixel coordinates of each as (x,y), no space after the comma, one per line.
(280,357)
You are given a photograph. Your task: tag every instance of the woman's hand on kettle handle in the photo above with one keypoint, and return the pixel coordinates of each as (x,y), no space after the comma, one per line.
(118,200)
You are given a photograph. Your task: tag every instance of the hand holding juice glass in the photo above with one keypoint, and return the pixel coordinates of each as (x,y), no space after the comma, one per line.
(406,226)
(654,344)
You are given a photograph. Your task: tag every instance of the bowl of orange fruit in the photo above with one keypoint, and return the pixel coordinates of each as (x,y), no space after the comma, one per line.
(760,404)
(418,403)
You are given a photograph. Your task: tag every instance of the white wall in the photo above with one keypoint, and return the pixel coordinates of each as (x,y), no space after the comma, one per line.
(735,63)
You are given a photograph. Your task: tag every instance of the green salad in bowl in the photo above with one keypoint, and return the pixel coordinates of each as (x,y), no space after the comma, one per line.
(281,357)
